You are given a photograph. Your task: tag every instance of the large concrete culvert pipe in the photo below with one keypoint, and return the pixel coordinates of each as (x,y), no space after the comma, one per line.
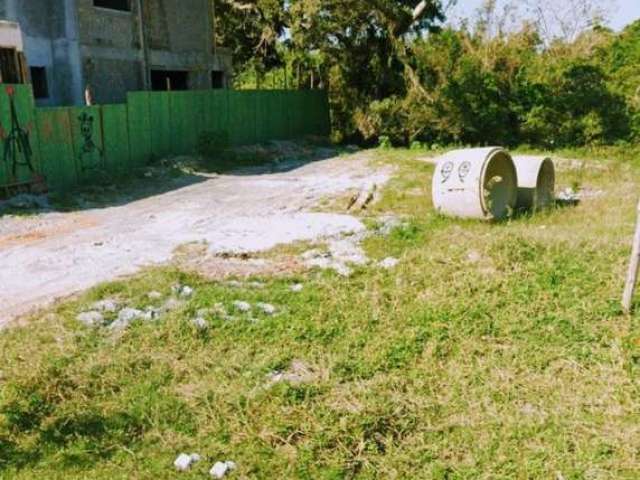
(536,182)
(475,183)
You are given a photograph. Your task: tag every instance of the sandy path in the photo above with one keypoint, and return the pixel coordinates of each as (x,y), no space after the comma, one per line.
(53,255)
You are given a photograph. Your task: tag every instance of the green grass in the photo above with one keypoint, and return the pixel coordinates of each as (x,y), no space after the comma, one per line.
(493,351)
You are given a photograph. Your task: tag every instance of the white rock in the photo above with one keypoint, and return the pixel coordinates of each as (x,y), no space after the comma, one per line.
(154,295)
(184,291)
(296,288)
(126,317)
(91,319)
(242,306)
(200,323)
(151,313)
(266,308)
(220,469)
(130,314)
(388,263)
(107,305)
(185,461)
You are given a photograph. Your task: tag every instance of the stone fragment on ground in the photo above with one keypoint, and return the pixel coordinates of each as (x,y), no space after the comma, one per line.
(182,291)
(200,323)
(296,287)
(341,252)
(107,306)
(185,461)
(298,372)
(127,316)
(388,263)
(241,306)
(221,469)
(92,318)
(266,308)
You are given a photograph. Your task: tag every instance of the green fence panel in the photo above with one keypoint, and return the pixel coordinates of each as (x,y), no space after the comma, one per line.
(70,144)
(15,130)
(187,114)
(86,131)
(292,105)
(56,148)
(218,111)
(115,138)
(197,118)
(308,112)
(263,125)
(139,128)
(282,115)
(242,117)
(324,114)
(160,118)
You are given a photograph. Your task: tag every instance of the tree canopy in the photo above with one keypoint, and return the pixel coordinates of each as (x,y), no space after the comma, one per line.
(392,69)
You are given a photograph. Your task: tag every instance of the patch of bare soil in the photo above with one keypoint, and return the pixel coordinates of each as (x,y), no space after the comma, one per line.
(52,255)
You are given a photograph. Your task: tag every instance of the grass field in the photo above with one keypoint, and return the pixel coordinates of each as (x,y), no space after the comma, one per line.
(492,351)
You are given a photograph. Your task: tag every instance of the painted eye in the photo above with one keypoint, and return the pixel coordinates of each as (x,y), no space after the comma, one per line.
(463,171)
(447,168)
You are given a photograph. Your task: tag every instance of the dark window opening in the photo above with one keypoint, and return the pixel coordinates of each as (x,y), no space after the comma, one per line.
(39,82)
(122,5)
(9,66)
(217,79)
(169,80)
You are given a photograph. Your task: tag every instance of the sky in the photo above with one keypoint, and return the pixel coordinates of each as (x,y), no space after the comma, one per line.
(624,13)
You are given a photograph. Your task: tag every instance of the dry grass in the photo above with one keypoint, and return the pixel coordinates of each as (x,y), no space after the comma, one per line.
(493,351)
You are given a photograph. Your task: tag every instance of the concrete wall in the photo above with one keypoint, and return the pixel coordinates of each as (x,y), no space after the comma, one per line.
(110,51)
(50,41)
(81,45)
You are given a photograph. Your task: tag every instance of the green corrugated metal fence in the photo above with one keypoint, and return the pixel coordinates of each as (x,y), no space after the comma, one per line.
(71,145)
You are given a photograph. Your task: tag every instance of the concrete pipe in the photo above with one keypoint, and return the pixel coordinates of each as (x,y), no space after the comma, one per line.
(475,183)
(536,182)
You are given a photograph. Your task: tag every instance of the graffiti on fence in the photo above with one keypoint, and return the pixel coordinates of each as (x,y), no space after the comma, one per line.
(91,155)
(17,146)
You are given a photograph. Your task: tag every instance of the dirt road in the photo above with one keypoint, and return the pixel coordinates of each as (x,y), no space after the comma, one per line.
(53,255)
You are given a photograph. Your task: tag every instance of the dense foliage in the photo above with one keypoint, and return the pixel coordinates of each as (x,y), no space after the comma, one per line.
(403,78)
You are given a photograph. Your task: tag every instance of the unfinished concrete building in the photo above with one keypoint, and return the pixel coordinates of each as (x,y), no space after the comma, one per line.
(111,46)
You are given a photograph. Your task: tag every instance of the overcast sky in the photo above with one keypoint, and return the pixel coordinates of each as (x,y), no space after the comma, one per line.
(626,11)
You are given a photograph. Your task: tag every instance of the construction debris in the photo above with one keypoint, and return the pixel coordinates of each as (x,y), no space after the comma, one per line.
(220,469)
(185,461)
(91,319)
